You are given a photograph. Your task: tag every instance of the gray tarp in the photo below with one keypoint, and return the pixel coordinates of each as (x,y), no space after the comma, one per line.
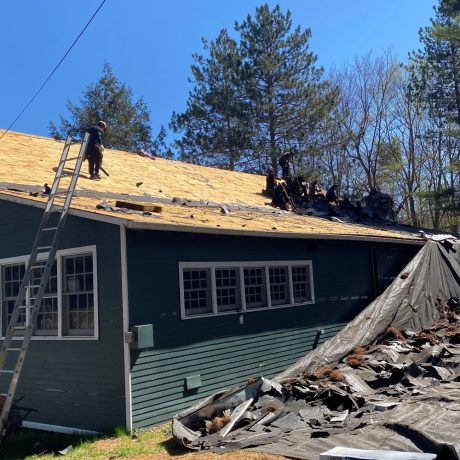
(432,276)
(431,279)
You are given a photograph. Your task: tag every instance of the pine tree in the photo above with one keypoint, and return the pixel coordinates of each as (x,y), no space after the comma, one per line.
(215,123)
(255,97)
(128,121)
(288,99)
(436,77)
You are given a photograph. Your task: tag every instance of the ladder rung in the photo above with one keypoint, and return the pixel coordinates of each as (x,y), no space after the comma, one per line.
(19,328)
(7,371)
(23,307)
(49,229)
(13,349)
(68,159)
(43,247)
(62,192)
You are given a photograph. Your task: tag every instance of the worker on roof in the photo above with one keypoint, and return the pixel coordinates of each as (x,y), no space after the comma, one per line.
(285,162)
(95,149)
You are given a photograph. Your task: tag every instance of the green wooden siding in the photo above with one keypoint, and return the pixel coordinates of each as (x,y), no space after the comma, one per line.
(220,349)
(74,383)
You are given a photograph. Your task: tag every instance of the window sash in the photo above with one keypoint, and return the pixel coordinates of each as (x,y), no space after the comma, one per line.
(235,287)
(77,294)
(197,291)
(255,287)
(228,296)
(52,318)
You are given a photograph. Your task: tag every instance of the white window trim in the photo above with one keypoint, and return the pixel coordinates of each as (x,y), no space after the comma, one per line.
(240,266)
(59,254)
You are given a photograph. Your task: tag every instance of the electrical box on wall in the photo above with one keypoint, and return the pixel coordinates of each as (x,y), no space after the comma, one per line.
(143,336)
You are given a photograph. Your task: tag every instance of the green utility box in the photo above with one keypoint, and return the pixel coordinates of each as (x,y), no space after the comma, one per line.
(143,336)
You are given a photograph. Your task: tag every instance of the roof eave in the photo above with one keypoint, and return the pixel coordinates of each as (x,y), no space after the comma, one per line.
(275,234)
(135,225)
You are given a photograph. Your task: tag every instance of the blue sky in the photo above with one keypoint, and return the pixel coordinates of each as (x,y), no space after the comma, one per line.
(150,43)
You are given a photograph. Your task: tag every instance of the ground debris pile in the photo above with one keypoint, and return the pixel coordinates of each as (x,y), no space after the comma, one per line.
(401,368)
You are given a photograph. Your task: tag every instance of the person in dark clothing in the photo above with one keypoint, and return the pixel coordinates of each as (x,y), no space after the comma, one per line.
(314,190)
(331,194)
(94,150)
(302,188)
(280,196)
(285,162)
(270,182)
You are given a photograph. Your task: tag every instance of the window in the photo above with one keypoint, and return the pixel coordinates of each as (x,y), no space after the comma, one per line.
(301,283)
(227,289)
(78,295)
(279,285)
(68,307)
(47,317)
(213,288)
(11,281)
(255,289)
(197,291)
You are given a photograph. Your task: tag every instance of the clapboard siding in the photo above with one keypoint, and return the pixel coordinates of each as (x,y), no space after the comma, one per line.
(74,383)
(220,349)
(169,396)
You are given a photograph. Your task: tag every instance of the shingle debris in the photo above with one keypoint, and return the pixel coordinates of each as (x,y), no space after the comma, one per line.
(401,367)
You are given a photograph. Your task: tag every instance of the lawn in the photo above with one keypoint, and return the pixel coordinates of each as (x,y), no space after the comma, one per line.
(155,443)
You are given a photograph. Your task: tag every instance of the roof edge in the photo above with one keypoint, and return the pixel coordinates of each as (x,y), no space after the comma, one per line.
(115,220)
(133,225)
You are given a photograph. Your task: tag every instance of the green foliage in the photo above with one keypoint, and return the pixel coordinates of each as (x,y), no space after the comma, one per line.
(216,123)
(255,97)
(437,68)
(128,121)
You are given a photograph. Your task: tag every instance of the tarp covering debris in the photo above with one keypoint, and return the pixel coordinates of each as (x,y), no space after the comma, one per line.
(389,380)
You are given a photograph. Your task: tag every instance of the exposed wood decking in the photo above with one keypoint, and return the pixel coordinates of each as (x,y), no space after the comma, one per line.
(30,161)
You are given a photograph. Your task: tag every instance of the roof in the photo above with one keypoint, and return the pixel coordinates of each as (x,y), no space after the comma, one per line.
(28,161)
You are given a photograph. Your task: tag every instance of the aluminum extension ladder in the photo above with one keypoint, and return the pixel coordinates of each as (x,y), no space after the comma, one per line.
(46,240)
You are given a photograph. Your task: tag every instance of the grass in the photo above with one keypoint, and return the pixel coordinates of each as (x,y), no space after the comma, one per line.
(155,443)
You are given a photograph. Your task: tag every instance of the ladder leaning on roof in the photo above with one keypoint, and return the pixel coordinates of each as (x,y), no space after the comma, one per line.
(24,316)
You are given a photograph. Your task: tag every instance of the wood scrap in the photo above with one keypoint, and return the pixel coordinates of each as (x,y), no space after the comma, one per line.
(138,206)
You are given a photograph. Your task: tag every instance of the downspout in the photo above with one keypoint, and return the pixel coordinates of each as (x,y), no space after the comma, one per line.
(126,345)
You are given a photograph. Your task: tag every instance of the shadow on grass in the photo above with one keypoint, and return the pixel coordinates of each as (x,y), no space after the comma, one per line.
(25,442)
(174,448)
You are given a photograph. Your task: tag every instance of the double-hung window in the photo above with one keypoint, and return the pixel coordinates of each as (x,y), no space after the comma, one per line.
(69,304)
(213,288)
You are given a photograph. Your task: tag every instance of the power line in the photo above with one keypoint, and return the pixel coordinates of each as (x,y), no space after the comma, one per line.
(54,70)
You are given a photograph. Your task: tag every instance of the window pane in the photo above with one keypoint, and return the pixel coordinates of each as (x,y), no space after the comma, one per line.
(254,287)
(69,265)
(301,283)
(78,295)
(88,264)
(227,289)
(12,277)
(47,318)
(197,291)
(279,289)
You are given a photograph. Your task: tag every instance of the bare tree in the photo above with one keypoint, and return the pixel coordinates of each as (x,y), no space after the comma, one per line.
(368,92)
